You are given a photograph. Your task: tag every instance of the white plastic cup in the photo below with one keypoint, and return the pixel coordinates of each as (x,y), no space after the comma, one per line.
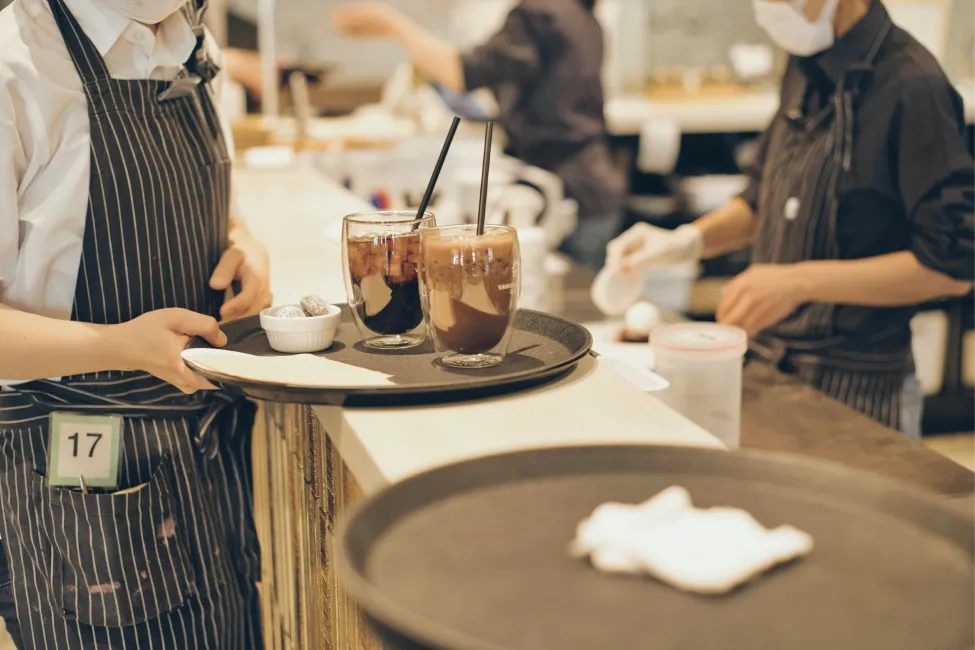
(613,291)
(671,286)
(534,252)
(703,364)
(557,269)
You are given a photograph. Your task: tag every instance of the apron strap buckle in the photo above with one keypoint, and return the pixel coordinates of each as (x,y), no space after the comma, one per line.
(183,85)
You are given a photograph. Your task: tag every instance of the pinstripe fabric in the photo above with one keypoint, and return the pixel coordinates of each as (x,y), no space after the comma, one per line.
(798,208)
(172,563)
(799,168)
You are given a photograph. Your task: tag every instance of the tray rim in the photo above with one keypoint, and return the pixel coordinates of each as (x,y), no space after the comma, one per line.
(399,620)
(297,394)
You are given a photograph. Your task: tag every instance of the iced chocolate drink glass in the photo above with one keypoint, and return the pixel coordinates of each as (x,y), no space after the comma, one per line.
(470,285)
(380,257)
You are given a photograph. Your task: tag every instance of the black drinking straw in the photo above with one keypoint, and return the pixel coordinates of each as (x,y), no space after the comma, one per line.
(485,170)
(436,172)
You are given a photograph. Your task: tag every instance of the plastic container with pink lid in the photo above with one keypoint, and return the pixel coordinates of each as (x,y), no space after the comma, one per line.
(703,364)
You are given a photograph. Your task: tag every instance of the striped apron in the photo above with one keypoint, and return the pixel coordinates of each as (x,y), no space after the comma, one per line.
(170,561)
(829,347)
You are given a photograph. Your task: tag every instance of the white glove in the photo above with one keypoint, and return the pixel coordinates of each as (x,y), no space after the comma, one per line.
(644,245)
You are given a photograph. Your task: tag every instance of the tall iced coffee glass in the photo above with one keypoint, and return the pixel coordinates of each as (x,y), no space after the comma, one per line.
(380,258)
(469,285)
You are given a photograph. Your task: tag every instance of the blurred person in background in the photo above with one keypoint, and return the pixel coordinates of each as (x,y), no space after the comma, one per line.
(860,208)
(244,67)
(544,67)
(295,36)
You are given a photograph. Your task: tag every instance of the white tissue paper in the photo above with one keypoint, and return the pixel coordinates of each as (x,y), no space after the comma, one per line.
(613,292)
(705,551)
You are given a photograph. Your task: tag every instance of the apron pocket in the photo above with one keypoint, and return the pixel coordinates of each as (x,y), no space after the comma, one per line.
(118,558)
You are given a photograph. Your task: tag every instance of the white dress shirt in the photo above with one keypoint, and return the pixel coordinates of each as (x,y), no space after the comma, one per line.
(45,137)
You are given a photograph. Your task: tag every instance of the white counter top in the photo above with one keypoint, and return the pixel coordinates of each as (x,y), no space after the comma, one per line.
(747,112)
(591,406)
(626,114)
(291,212)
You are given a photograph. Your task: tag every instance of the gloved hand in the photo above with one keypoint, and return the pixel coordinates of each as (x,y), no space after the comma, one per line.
(644,245)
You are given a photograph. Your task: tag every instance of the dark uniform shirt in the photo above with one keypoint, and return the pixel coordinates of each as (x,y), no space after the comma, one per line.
(910,186)
(544,67)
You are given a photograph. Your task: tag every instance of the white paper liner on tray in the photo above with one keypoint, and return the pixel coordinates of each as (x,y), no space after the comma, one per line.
(301,370)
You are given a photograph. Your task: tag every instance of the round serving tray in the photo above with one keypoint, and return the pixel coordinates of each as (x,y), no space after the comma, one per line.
(542,347)
(474,556)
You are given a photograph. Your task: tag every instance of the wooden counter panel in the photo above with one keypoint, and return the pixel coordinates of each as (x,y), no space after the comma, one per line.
(302,489)
(781,414)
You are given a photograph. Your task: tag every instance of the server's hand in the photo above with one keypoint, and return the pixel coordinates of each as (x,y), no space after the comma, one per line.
(368,20)
(153,342)
(644,246)
(762,296)
(245,261)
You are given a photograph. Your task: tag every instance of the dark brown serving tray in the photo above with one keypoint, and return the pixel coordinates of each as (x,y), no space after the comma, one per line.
(542,347)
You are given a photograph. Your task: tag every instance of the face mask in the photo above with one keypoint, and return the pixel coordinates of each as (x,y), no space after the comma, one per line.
(147,12)
(788,28)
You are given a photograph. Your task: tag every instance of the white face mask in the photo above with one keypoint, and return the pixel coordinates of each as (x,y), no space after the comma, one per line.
(788,28)
(147,12)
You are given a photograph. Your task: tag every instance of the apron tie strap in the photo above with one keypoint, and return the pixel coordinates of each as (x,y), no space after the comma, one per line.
(853,81)
(200,62)
(207,438)
(200,68)
(209,408)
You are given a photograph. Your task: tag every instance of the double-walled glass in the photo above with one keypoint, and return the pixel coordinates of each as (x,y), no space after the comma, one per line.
(380,258)
(469,285)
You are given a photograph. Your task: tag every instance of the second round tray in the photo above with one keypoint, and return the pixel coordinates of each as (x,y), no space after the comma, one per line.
(542,346)
(474,556)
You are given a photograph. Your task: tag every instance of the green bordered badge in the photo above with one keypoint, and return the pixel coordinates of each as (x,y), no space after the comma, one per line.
(84,450)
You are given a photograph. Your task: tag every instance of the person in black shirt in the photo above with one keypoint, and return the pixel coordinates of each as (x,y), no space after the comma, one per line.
(544,67)
(859,209)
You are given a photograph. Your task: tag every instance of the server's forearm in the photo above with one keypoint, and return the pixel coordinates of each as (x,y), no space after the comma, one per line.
(245,68)
(727,229)
(36,347)
(434,58)
(883,281)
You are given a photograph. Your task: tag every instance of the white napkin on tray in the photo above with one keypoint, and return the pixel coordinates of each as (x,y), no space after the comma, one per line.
(705,551)
(298,370)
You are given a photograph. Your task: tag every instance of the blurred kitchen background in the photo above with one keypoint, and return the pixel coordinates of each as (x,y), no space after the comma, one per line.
(689,83)
(652,33)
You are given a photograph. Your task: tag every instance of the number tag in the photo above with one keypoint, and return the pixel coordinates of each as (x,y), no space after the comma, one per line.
(84,445)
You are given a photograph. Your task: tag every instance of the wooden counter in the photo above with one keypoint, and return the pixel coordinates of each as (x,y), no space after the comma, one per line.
(780,414)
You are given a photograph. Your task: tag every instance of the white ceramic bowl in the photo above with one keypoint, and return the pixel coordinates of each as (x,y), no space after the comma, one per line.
(300,335)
